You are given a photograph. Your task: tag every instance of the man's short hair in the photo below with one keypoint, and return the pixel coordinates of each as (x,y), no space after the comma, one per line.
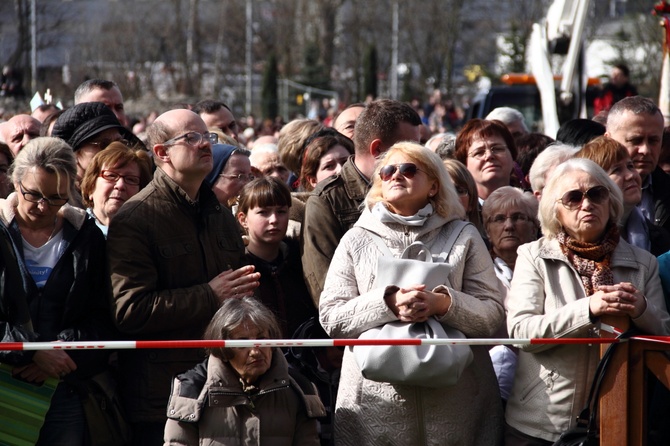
(90,85)
(379,120)
(157,133)
(638,105)
(209,106)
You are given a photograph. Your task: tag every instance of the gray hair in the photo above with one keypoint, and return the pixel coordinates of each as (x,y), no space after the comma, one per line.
(638,105)
(92,84)
(546,160)
(507,197)
(507,115)
(233,314)
(549,223)
(50,154)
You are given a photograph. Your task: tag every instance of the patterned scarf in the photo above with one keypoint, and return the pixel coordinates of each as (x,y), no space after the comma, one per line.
(591,260)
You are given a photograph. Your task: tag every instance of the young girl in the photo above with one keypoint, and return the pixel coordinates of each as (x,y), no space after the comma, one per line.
(263,211)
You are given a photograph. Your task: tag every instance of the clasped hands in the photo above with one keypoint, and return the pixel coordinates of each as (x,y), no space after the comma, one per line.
(415,304)
(621,299)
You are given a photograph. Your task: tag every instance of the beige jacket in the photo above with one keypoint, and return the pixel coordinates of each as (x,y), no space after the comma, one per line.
(547,300)
(373,413)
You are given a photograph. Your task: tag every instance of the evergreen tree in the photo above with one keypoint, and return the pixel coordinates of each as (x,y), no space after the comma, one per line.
(269,98)
(370,72)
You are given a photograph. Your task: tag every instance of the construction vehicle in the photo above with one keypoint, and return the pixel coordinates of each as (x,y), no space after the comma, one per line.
(547,99)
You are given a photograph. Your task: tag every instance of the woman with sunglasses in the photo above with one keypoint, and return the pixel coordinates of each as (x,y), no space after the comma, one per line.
(412,199)
(580,270)
(614,158)
(113,176)
(62,261)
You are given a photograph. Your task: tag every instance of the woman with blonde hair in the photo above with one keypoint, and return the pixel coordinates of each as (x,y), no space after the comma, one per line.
(412,199)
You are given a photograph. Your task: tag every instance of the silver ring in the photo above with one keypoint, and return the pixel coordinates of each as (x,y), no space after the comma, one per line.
(234,290)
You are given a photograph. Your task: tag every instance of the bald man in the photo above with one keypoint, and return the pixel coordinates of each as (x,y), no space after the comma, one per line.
(175,255)
(18,131)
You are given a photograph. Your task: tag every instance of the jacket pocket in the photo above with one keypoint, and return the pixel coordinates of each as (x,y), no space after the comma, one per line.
(175,249)
(544,382)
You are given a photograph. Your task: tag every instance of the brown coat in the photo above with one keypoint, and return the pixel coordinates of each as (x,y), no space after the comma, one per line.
(163,249)
(209,407)
(330,212)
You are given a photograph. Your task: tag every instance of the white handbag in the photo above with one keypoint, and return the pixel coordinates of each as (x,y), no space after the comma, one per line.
(420,365)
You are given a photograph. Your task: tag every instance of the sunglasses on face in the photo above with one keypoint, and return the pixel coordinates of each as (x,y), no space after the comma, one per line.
(408,170)
(573,199)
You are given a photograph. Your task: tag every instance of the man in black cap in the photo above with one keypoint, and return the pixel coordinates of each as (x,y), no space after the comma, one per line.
(88,128)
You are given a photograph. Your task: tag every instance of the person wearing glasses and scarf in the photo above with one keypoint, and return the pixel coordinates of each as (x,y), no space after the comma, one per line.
(563,283)
(413,199)
(64,291)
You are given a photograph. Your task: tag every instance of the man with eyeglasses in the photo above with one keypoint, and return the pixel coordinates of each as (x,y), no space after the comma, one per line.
(175,254)
(335,204)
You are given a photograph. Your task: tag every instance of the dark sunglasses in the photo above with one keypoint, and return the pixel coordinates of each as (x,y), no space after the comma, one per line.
(408,170)
(573,199)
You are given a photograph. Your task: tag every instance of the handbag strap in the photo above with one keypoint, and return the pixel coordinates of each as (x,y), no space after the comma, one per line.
(458,226)
(588,415)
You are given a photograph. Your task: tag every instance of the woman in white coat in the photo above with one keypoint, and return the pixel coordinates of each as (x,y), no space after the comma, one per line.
(413,199)
(563,283)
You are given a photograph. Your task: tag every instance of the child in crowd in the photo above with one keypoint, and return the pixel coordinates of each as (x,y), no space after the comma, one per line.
(263,212)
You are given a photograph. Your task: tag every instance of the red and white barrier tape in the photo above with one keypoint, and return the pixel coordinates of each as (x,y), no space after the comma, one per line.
(246,343)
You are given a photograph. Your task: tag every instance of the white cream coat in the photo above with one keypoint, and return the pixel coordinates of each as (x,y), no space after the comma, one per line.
(547,300)
(373,413)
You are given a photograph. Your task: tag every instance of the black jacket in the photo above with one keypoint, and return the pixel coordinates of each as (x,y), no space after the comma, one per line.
(73,305)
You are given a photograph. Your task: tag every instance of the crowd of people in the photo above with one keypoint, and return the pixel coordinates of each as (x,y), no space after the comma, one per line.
(181,227)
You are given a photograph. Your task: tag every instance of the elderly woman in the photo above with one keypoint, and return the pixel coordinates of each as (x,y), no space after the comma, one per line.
(510,220)
(113,176)
(231,171)
(243,395)
(614,158)
(62,257)
(325,152)
(487,149)
(412,199)
(562,285)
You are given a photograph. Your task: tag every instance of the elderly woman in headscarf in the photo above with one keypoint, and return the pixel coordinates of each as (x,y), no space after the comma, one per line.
(563,284)
(230,172)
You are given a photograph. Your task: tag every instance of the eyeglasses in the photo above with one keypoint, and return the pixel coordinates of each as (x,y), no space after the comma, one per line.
(517,217)
(194,138)
(408,170)
(113,177)
(480,154)
(573,199)
(34,197)
(239,177)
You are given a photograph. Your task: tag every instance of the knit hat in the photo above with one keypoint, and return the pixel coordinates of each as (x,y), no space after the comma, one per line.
(85,120)
(220,155)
